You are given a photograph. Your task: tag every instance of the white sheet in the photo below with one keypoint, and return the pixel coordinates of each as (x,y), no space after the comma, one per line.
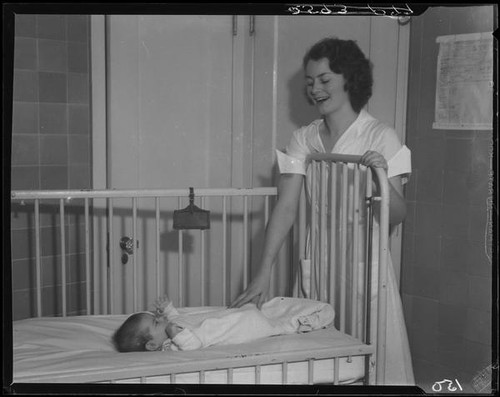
(79,349)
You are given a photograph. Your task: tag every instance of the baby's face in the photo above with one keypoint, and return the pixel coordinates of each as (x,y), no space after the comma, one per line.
(157,328)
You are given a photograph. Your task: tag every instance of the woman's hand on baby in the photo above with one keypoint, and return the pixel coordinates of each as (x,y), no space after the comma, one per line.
(372,158)
(257,291)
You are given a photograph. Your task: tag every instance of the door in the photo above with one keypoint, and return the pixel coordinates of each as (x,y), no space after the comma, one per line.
(170,96)
(171,89)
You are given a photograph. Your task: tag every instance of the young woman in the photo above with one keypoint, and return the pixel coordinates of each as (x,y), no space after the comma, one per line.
(339,83)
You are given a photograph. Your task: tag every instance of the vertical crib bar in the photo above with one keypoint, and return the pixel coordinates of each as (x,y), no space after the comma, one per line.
(310,371)
(284,373)
(302,223)
(257,374)
(333,232)
(368,375)
(87,254)
(266,210)
(343,249)
(230,376)
(266,215)
(368,257)
(224,248)
(202,377)
(302,235)
(202,264)
(37,260)
(245,242)
(96,277)
(336,370)
(382,280)
(322,234)
(134,242)
(108,297)
(63,256)
(313,230)
(180,257)
(355,248)
(157,234)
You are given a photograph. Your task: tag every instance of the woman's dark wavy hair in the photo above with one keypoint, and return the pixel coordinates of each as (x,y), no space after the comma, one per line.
(346,58)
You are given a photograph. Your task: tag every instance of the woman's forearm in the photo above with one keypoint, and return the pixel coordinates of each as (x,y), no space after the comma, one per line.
(281,221)
(279,225)
(282,218)
(397,203)
(397,206)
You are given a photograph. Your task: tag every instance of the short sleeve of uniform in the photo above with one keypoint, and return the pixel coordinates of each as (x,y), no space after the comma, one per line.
(400,164)
(398,156)
(293,160)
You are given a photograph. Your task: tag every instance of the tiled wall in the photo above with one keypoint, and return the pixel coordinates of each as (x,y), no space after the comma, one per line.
(50,150)
(447,272)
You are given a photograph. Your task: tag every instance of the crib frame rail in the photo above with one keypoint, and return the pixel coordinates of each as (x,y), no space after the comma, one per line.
(229,364)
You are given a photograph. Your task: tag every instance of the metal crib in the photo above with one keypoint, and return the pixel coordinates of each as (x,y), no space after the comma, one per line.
(336,174)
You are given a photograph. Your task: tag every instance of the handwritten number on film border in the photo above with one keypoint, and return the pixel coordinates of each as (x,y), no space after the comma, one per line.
(342,9)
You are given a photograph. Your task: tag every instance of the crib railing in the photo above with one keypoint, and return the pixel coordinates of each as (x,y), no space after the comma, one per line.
(103,293)
(342,229)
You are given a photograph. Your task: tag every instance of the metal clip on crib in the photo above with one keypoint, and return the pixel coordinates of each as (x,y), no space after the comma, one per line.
(191,217)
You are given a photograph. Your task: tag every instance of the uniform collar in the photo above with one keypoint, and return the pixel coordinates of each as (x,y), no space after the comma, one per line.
(363,116)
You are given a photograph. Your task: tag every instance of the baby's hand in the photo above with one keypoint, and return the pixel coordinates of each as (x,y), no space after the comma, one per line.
(173,329)
(161,304)
(166,345)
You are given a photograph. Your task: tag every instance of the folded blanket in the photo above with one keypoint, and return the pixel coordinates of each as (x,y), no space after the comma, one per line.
(278,316)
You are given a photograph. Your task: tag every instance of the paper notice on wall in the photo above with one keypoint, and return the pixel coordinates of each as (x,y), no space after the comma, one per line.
(464,86)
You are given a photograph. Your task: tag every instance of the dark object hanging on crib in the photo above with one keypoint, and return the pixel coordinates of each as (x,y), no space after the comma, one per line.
(191,217)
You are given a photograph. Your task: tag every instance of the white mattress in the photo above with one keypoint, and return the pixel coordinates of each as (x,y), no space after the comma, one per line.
(79,349)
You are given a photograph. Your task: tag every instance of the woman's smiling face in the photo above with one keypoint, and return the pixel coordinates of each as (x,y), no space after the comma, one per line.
(325,88)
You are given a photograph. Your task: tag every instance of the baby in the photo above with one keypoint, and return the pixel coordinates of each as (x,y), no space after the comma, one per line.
(148,331)
(166,329)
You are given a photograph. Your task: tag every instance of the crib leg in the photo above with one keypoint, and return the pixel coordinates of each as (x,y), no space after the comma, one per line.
(369,371)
